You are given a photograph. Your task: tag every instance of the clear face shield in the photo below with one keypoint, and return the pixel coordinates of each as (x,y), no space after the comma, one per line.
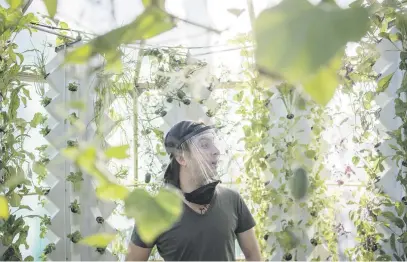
(201,155)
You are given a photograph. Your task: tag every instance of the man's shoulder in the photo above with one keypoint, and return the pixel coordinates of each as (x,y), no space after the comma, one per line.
(227,192)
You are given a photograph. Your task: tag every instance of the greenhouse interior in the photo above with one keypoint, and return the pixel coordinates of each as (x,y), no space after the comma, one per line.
(302,103)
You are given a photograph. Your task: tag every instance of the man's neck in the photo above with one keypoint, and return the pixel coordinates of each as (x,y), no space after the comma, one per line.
(187,186)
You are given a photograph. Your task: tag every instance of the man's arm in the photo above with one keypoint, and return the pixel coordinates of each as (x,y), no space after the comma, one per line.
(137,249)
(249,245)
(136,253)
(245,232)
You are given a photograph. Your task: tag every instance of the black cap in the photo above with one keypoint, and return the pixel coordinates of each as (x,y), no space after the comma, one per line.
(177,135)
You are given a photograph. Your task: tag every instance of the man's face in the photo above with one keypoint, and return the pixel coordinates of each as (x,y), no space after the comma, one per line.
(203,156)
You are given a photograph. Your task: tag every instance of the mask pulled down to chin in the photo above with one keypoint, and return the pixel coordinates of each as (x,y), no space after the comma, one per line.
(202,195)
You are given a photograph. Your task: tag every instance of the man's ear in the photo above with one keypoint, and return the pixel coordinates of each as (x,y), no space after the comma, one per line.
(181,160)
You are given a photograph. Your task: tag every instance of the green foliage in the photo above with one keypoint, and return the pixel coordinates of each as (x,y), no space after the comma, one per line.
(154,214)
(299,184)
(112,191)
(303,43)
(75,207)
(4,211)
(51,7)
(118,152)
(75,237)
(75,178)
(286,147)
(297,41)
(44,224)
(13,131)
(158,3)
(15,3)
(384,83)
(98,240)
(322,85)
(150,23)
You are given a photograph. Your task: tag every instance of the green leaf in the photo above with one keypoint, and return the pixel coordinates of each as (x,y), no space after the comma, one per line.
(321,86)
(401,23)
(355,160)
(154,215)
(51,7)
(4,211)
(118,152)
(18,178)
(296,39)
(158,3)
(40,169)
(287,239)
(37,119)
(397,221)
(14,3)
(15,199)
(383,83)
(395,37)
(29,258)
(299,183)
(14,104)
(393,242)
(399,208)
(26,92)
(403,238)
(98,240)
(367,99)
(24,100)
(150,23)
(80,54)
(384,258)
(310,153)
(85,159)
(112,191)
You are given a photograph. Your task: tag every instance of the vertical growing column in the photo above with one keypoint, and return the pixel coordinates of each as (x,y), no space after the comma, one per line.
(80,213)
(57,167)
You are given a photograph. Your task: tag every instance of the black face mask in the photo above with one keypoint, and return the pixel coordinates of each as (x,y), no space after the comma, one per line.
(202,195)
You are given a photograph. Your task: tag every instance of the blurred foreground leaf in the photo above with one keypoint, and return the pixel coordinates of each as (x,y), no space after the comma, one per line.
(86,159)
(51,7)
(118,152)
(98,240)
(15,3)
(150,23)
(153,214)
(321,86)
(4,211)
(112,191)
(297,41)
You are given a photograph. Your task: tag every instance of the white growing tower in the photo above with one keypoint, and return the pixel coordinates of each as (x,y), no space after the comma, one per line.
(94,213)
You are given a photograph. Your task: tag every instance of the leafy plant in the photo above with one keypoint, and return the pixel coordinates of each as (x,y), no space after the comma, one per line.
(315,60)
(14,130)
(75,237)
(75,207)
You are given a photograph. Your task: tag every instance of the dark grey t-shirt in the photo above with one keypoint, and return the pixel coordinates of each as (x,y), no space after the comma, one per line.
(206,237)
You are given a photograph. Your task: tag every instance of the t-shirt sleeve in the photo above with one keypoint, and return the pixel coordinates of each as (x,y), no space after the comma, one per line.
(245,218)
(135,239)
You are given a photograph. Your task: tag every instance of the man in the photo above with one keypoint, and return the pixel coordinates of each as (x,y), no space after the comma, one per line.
(213,215)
